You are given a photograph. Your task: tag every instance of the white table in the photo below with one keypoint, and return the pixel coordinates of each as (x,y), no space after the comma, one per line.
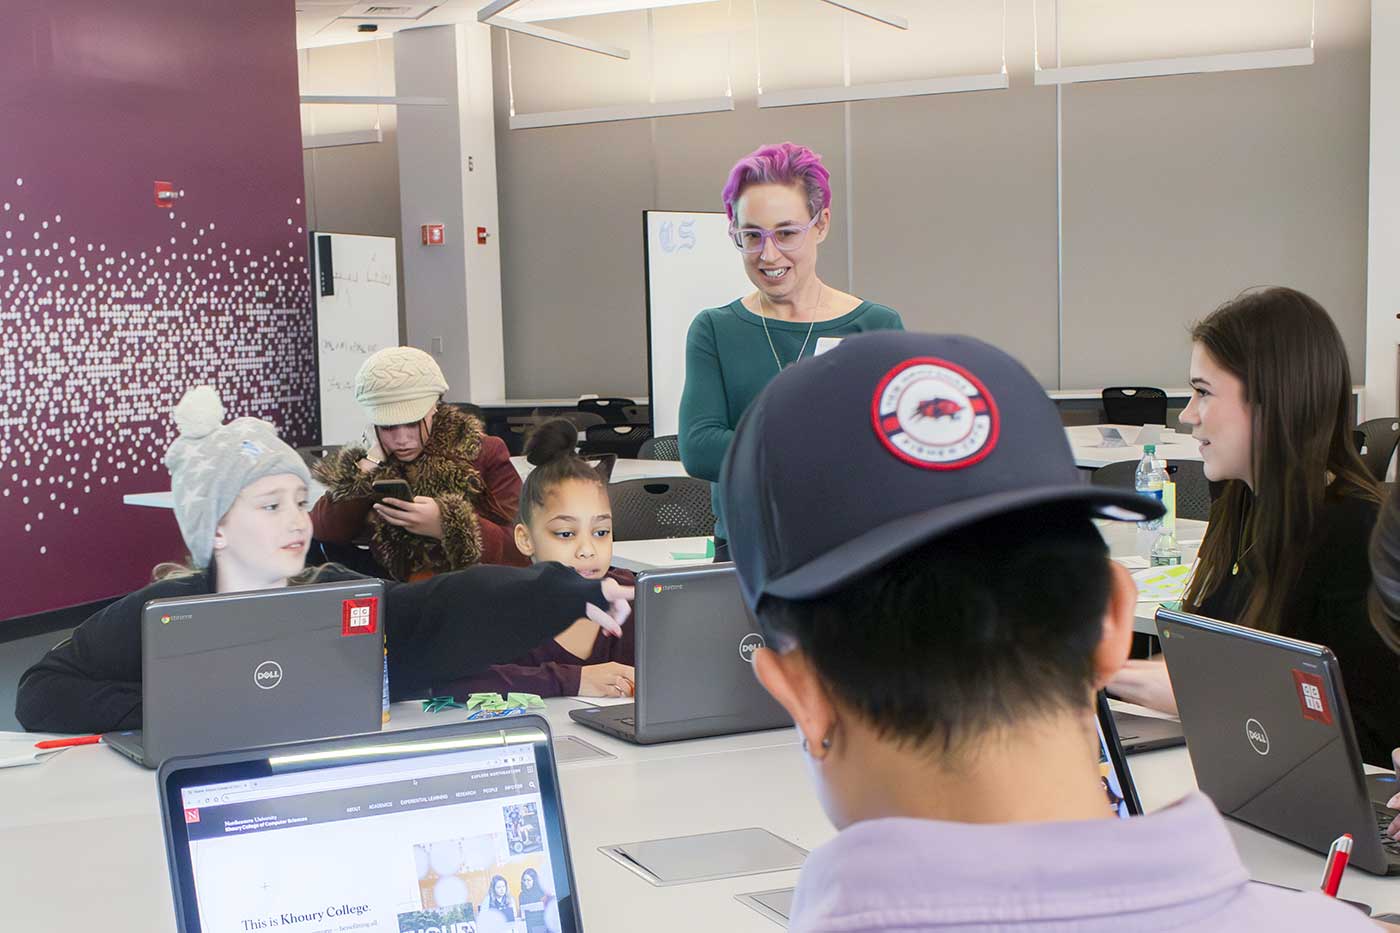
(1085,441)
(1175,395)
(624,469)
(659,553)
(165,499)
(83,849)
(529,404)
(1126,542)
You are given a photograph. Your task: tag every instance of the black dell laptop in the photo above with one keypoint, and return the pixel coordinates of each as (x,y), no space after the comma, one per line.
(695,645)
(1276,748)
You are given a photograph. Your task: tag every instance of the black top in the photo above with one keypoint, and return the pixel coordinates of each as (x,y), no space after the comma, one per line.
(441,629)
(1327,606)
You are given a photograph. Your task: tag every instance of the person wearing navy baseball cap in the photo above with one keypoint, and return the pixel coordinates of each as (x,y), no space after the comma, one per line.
(910,529)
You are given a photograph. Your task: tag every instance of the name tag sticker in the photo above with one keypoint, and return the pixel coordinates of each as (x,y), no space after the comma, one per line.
(1312,697)
(359,616)
(824,344)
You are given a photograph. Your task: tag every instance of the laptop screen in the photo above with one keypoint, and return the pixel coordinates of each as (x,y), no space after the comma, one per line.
(419,835)
(1117,780)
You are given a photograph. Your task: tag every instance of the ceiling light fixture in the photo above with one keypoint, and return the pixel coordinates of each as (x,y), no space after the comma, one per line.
(1159,67)
(490,15)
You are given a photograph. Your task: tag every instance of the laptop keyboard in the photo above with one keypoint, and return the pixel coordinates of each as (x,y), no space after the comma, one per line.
(1384,816)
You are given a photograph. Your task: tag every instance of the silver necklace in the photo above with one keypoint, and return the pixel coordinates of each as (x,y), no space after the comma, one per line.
(763,316)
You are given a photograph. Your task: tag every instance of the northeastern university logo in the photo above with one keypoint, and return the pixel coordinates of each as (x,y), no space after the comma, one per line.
(934,414)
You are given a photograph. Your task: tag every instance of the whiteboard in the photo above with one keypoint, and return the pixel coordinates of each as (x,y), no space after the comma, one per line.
(362,316)
(691,265)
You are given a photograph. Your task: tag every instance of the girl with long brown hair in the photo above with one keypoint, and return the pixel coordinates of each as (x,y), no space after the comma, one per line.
(1286,548)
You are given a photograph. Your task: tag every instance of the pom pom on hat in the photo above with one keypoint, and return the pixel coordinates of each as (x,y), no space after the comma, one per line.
(199,413)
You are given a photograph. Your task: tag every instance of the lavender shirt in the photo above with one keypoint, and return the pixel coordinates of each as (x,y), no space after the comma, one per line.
(1176,869)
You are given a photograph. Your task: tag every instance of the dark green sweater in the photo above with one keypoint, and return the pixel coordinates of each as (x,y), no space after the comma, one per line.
(728,362)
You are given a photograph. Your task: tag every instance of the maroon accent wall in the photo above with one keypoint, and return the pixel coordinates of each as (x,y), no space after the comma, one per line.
(112,306)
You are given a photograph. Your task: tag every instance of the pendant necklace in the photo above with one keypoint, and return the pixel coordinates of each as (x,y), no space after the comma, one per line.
(763,316)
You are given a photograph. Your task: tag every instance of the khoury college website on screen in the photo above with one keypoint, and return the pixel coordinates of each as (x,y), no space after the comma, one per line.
(452,843)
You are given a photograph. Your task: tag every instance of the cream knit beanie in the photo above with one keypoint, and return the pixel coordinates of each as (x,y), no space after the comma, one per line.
(399,385)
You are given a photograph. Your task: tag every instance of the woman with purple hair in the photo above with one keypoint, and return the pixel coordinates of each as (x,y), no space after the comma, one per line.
(778,199)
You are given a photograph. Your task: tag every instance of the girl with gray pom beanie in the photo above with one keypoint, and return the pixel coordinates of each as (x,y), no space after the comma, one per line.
(241,503)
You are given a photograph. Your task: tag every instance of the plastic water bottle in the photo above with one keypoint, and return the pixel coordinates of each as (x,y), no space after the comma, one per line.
(1166,552)
(1148,481)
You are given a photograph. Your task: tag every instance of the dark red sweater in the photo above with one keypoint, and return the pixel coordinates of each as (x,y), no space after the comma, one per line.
(550,670)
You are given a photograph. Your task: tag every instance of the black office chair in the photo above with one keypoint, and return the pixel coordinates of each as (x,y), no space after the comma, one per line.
(1134,405)
(609,409)
(670,507)
(665,447)
(637,414)
(625,440)
(1376,441)
(1193,492)
(518,427)
(583,420)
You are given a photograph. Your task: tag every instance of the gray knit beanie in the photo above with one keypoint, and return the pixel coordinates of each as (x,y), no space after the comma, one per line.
(211,462)
(399,385)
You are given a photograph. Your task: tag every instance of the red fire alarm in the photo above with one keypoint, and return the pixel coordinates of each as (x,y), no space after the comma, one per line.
(432,235)
(481,236)
(165,194)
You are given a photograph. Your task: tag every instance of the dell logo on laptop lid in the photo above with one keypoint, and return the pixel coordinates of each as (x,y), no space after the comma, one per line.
(1258,738)
(267,675)
(749,644)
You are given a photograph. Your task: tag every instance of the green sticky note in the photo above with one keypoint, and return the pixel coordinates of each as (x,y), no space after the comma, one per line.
(438,704)
(524,701)
(489,701)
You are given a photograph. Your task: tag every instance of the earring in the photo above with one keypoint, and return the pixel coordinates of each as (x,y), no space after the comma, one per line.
(826,744)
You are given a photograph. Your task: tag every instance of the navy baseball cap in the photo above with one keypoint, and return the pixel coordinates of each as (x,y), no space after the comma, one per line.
(891,439)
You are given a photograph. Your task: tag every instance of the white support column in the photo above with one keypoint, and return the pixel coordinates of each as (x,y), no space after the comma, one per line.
(1383,269)
(447,175)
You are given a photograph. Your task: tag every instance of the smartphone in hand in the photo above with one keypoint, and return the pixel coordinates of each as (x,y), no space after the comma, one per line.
(392,489)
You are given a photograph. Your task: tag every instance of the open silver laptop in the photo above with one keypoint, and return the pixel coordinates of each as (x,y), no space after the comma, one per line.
(449,829)
(695,644)
(236,670)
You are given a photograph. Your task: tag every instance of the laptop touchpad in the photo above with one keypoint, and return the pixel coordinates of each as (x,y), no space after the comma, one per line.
(707,856)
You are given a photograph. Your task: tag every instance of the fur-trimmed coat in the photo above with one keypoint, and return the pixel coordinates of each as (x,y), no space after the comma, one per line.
(467,471)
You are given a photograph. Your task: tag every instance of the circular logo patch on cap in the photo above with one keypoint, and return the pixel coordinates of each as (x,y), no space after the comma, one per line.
(934,414)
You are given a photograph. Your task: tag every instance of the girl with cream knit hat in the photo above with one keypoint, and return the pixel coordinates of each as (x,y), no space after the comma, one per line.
(241,503)
(465,492)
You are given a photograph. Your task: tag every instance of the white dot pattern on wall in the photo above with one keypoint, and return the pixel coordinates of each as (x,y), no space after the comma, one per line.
(97,346)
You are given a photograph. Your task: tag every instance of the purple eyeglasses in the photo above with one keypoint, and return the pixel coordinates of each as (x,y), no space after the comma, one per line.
(786,238)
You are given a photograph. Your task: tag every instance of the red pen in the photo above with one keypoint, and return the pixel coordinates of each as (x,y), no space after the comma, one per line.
(70,742)
(1337,858)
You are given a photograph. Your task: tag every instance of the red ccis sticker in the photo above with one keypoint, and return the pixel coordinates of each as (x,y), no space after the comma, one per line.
(1312,695)
(359,616)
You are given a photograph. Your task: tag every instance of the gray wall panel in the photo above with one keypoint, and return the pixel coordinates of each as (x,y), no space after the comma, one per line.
(955,216)
(1181,191)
